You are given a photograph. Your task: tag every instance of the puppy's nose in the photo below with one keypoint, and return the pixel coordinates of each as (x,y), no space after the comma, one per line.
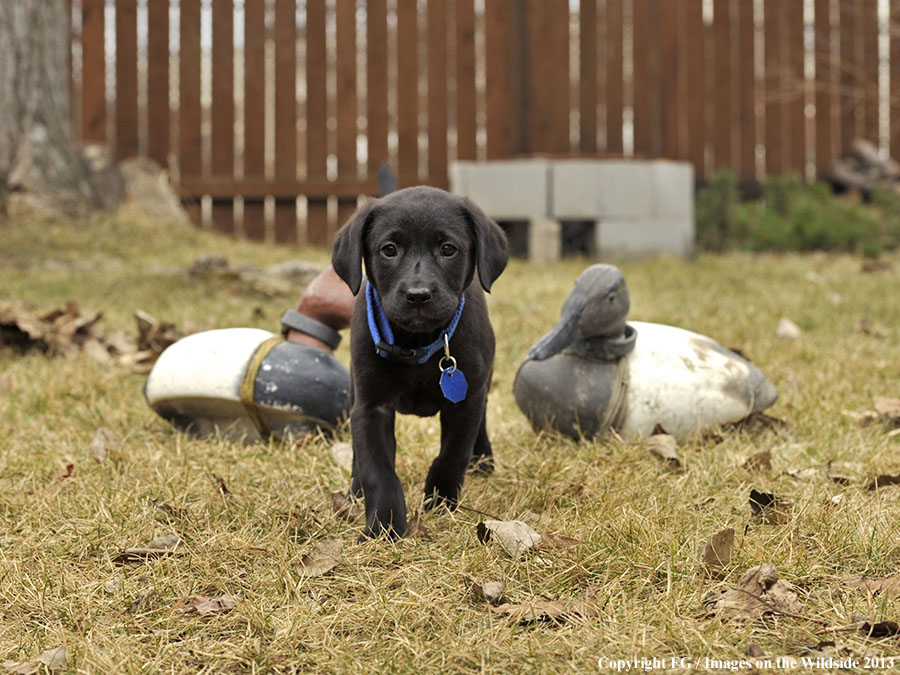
(418,295)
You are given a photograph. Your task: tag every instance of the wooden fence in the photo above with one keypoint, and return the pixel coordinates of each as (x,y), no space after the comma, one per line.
(259,107)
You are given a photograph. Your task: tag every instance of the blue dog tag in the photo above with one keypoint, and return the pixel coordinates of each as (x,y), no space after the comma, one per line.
(453,385)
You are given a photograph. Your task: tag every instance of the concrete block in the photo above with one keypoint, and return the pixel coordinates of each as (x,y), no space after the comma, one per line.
(588,189)
(622,236)
(674,188)
(504,189)
(544,240)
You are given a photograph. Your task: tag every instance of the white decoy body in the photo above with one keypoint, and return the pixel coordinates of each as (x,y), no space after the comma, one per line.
(594,372)
(247,383)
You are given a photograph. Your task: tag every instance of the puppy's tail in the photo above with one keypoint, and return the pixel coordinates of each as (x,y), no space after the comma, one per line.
(387,181)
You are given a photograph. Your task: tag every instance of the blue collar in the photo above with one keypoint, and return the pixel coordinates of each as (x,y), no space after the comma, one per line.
(383,337)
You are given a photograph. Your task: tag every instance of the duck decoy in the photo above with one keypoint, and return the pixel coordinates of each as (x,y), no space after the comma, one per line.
(595,371)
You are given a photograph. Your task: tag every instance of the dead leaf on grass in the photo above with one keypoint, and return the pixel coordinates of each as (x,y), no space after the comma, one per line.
(753,650)
(758,593)
(551,542)
(554,611)
(204,606)
(770,508)
(327,555)
(490,591)
(876,586)
(346,508)
(787,329)
(881,629)
(758,421)
(716,554)
(51,660)
(169,544)
(63,477)
(105,444)
(761,461)
(664,447)
(415,528)
(883,480)
(514,536)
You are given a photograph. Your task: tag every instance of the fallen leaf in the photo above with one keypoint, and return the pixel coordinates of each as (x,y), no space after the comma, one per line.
(346,508)
(883,481)
(839,479)
(879,630)
(170,511)
(51,660)
(170,544)
(804,474)
(327,555)
(754,651)
(112,585)
(514,536)
(554,611)
(664,447)
(63,477)
(787,329)
(876,586)
(716,553)
(889,409)
(105,444)
(490,591)
(415,528)
(758,593)
(550,542)
(761,461)
(757,421)
(342,454)
(220,483)
(770,508)
(205,606)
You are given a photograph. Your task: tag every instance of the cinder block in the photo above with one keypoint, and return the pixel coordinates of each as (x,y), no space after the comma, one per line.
(674,188)
(622,236)
(544,240)
(591,188)
(504,189)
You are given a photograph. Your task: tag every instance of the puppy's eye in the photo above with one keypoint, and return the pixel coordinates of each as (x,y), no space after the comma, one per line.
(389,250)
(448,250)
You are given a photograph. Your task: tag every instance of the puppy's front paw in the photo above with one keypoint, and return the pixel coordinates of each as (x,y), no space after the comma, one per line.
(436,499)
(377,531)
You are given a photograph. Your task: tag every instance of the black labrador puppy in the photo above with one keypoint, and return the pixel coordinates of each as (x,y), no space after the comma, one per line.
(420,340)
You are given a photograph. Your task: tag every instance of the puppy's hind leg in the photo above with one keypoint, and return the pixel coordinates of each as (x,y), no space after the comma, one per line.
(482,462)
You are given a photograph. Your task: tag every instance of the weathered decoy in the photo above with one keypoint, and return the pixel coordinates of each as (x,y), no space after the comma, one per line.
(595,371)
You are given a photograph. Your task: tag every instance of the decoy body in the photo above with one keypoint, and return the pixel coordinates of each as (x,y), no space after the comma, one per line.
(247,383)
(595,372)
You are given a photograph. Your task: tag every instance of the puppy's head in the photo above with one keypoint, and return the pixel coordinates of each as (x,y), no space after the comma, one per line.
(421,247)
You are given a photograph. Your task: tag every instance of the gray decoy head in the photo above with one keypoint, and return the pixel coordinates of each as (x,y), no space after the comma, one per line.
(596,307)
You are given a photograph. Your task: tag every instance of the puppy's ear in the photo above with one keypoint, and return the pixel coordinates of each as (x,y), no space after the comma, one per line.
(491,247)
(347,252)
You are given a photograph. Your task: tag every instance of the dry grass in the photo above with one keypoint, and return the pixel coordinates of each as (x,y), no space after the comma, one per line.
(404,607)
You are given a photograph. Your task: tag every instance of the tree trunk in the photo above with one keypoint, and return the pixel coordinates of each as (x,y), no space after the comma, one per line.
(37,157)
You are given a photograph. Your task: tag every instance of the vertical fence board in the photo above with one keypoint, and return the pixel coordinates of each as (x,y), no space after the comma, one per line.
(850,75)
(126,142)
(894,94)
(723,81)
(695,107)
(93,67)
(190,162)
(615,90)
(671,82)
(466,129)
(377,83)
(825,86)
(285,35)
(223,108)
(506,108)
(776,143)
(158,111)
(254,113)
(645,30)
(347,104)
(747,90)
(407,93)
(869,39)
(437,92)
(587,76)
(316,119)
(796,86)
